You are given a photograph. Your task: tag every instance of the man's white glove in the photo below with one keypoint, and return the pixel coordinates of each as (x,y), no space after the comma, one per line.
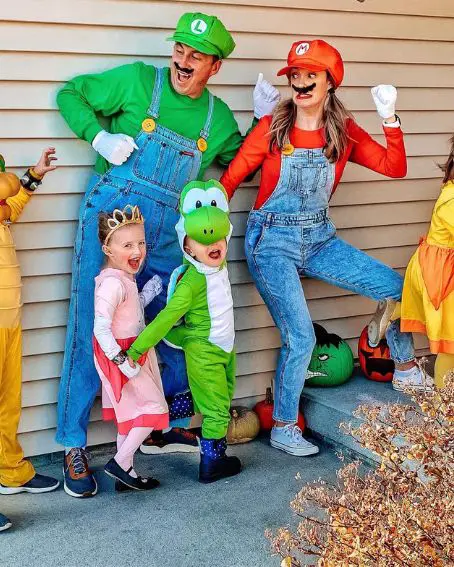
(150,290)
(265,97)
(115,148)
(385,97)
(128,370)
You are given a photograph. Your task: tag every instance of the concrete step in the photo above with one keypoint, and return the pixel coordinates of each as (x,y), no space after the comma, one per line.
(326,408)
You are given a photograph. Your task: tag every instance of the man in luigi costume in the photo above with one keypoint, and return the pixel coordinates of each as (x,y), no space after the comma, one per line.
(164,129)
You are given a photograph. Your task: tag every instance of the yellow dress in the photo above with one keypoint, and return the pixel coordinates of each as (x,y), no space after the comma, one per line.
(428,293)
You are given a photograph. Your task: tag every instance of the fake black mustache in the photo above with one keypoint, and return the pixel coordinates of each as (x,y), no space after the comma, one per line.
(304,90)
(183,69)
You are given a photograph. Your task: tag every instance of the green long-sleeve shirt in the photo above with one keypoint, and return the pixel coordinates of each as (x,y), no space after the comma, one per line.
(123,95)
(188,300)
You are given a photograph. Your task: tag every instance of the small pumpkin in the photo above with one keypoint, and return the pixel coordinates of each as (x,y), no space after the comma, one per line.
(332,360)
(244,425)
(264,410)
(376,363)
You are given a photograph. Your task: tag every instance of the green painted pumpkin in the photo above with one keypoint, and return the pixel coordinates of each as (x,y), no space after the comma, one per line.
(332,360)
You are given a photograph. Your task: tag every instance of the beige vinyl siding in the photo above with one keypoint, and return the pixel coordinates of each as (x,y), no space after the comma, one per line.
(43,44)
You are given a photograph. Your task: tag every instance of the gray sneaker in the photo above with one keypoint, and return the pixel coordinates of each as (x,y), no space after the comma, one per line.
(380,321)
(290,439)
(416,380)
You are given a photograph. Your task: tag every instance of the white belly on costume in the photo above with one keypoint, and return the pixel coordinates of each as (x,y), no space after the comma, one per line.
(220,307)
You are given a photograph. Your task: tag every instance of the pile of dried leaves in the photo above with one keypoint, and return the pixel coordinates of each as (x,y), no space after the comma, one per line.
(402,513)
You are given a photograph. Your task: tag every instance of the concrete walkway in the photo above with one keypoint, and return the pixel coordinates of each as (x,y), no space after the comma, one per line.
(181,524)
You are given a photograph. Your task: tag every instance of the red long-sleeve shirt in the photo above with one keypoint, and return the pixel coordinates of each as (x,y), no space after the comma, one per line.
(362,149)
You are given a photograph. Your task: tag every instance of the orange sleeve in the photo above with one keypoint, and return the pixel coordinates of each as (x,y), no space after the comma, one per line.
(249,157)
(390,161)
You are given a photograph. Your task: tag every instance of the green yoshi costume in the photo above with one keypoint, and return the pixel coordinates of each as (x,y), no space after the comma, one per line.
(201,296)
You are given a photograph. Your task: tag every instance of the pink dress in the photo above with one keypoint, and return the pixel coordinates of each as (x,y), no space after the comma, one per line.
(139,401)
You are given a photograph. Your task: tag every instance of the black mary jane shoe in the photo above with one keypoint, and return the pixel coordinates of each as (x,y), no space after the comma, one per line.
(114,470)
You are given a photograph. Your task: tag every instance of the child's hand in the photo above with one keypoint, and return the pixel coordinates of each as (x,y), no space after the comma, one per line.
(44,164)
(129,368)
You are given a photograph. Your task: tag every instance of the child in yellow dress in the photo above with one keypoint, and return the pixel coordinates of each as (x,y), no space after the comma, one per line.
(428,294)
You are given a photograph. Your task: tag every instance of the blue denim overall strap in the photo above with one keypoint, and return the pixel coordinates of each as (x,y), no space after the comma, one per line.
(305,184)
(151,178)
(153,109)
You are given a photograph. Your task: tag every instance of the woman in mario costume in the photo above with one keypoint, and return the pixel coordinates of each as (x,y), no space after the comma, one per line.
(303,149)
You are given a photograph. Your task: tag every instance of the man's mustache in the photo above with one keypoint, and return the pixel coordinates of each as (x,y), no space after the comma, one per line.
(183,69)
(304,90)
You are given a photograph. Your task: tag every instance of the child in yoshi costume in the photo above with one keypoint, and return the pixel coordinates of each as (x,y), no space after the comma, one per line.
(199,292)
(16,474)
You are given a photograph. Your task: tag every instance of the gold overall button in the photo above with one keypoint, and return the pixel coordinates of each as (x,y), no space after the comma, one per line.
(148,125)
(202,144)
(288,149)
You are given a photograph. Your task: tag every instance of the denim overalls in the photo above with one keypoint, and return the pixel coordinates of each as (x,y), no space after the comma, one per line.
(292,235)
(151,178)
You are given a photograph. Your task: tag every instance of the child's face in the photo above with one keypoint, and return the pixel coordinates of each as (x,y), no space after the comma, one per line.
(211,255)
(126,249)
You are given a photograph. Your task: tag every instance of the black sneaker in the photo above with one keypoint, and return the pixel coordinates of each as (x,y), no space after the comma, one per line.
(5,523)
(78,478)
(114,470)
(39,483)
(177,440)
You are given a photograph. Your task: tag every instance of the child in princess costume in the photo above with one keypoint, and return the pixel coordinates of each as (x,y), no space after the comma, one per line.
(199,292)
(132,395)
(428,294)
(16,474)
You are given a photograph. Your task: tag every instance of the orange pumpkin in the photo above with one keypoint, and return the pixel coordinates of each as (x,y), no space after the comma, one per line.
(375,362)
(264,410)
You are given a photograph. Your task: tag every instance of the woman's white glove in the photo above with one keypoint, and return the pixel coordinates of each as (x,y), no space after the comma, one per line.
(265,97)
(115,148)
(128,370)
(385,97)
(150,290)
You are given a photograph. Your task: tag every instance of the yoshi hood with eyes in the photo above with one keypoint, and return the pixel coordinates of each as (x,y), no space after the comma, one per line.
(204,214)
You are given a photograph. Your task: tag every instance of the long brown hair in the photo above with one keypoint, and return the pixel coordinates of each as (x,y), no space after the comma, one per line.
(448,166)
(334,122)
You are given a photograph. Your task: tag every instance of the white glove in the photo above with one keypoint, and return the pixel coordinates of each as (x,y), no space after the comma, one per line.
(128,370)
(150,290)
(385,97)
(116,148)
(265,97)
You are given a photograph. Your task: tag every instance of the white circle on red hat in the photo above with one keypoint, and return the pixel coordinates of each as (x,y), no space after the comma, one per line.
(302,48)
(198,27)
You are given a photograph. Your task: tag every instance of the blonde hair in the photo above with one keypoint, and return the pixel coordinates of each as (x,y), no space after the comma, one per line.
(334,121)
(448,166)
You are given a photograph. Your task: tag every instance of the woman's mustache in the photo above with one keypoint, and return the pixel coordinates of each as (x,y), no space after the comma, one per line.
(304,90)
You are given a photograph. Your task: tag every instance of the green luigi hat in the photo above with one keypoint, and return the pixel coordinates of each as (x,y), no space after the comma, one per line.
(205,33)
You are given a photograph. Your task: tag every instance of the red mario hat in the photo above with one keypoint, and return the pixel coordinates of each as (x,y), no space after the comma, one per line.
(315,55)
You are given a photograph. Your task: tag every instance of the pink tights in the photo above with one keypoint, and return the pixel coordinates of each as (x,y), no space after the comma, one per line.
(127,446)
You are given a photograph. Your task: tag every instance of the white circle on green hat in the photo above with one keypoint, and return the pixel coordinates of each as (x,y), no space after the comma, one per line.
(198,27)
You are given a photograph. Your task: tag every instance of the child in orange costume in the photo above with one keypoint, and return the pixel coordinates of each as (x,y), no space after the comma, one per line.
(16,474)
(428,294)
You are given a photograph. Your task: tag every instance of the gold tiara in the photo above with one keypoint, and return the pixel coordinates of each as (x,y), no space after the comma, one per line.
(120,219)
